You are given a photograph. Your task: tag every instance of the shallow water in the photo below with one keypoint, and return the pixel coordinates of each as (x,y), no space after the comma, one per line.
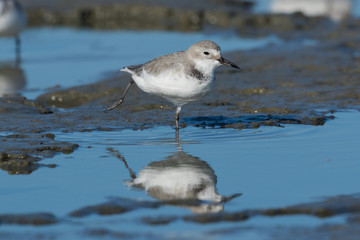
(270,166)
(66,57)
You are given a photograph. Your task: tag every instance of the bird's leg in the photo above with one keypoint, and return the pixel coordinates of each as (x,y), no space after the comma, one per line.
(178,109)
(17,50)
(121,100)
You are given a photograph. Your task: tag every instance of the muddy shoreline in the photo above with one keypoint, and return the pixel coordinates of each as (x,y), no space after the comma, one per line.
(344,204)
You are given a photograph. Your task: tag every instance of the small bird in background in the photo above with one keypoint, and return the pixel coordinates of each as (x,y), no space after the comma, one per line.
(12,22)
(180,77)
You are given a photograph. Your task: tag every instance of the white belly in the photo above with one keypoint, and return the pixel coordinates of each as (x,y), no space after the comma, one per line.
(11,23)
(176,87)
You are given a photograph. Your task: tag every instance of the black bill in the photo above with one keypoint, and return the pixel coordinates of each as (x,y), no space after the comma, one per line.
(228,63)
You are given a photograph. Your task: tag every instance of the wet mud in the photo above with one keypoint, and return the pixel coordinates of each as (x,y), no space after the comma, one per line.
(21,154)
(345,204)
(334,206)
(28,219)
(115,206)
(327,208)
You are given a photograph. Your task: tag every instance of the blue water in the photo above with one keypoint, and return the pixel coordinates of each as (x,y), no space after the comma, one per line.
(66,57)
(270,166)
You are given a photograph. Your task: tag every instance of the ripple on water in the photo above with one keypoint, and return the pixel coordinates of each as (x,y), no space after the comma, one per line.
(189,135)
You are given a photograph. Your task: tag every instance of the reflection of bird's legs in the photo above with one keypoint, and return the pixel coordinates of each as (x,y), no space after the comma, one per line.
(121,100)
(117,154)
(178,109)
(177,140)
(17,50)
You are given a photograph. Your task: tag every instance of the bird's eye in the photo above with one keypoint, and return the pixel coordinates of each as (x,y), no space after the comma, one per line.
(206,53)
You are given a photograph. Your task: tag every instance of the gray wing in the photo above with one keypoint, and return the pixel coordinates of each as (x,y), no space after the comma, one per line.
(166,62)
(159,64)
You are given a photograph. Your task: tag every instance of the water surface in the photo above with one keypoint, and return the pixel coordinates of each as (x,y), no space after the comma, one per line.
(270,166)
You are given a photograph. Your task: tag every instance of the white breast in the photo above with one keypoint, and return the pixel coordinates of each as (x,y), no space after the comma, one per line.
(12,21)
(177,87)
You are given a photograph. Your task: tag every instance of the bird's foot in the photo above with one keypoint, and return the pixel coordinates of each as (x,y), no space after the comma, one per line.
(114,105)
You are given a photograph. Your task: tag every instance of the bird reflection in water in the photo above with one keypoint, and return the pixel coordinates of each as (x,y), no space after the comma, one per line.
(182,180)
(12,22)
(12,80)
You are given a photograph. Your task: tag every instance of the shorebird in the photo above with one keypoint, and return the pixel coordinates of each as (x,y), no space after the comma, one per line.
(180,77)
(12,21)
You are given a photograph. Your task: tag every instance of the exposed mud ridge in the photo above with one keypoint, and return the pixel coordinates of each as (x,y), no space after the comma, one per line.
(164,15)
(115,206)
(21,104)
(334,206)
(20,154)
(344,204)
(337,205)
(28,219)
